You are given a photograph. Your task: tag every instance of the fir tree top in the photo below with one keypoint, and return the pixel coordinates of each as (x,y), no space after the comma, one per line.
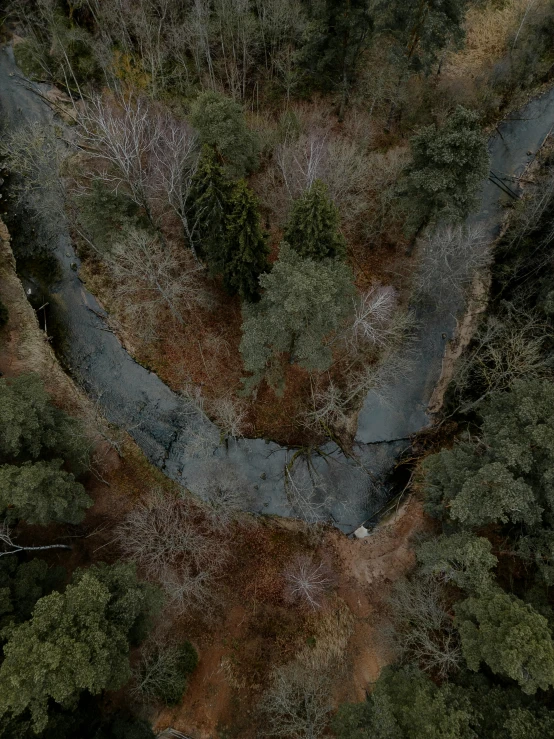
(313,229)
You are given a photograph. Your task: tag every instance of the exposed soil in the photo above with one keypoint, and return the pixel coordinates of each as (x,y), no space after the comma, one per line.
(238,653)
(24,347)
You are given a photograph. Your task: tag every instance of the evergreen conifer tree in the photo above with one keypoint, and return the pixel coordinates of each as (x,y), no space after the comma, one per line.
(448,166)
(209,204)
(304,302)
(221,124)
(313,227)
(509,636)
(246,252)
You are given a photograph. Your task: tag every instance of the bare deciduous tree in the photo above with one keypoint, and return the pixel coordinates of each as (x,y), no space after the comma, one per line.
(122,133)
(297,704)
(176,545)
(306,491)
(175,159)
(33,153)
(449,257)
(329,408)
(421,629)
(150,154)
(318,154)
(382,216)
(158,669)
(373,313)
(230,415)
(225,495)
(505,349)
(307,582)
(147,275)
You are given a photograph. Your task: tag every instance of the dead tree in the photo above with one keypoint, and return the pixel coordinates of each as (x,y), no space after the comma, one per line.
(175,159)
(307,582)
(373,313)
(11,547)
(147,275)
(449,258)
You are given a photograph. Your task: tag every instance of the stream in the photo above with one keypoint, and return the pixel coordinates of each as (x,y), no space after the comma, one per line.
(184,444)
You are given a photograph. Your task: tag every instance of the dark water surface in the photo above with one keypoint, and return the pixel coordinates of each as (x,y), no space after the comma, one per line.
(185,445)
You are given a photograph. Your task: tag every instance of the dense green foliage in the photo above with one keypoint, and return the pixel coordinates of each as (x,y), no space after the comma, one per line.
(83,722)
(303,303)
(406,704)
(448,166)
(76,640)
(33,427)
(505,477)
(509,636)
(313,228)
(41,492)
(246,245)
(226,227)
(462,558)
(21,586)
(340,32)
(220,122)
(421,29)
(210,204)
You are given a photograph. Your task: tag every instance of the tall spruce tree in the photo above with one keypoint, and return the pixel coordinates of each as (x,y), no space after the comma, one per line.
(313,227)
(421,29)
(210,205)
(448,165)
(246,248)
(221,124)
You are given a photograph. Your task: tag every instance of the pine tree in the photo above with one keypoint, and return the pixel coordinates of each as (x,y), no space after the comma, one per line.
(32,427)
(448,166)
(339,33)
(313,227)
(421,29)
(210,204)
(246,249)
(221,124)
(75,641)
(509,636)
(303,304)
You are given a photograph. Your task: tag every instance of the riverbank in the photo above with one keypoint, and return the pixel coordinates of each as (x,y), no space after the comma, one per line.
(322,484)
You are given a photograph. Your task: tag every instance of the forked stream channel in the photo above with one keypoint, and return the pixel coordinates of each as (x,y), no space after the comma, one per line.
(184,444)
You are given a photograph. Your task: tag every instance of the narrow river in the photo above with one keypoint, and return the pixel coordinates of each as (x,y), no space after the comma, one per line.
(180,441)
